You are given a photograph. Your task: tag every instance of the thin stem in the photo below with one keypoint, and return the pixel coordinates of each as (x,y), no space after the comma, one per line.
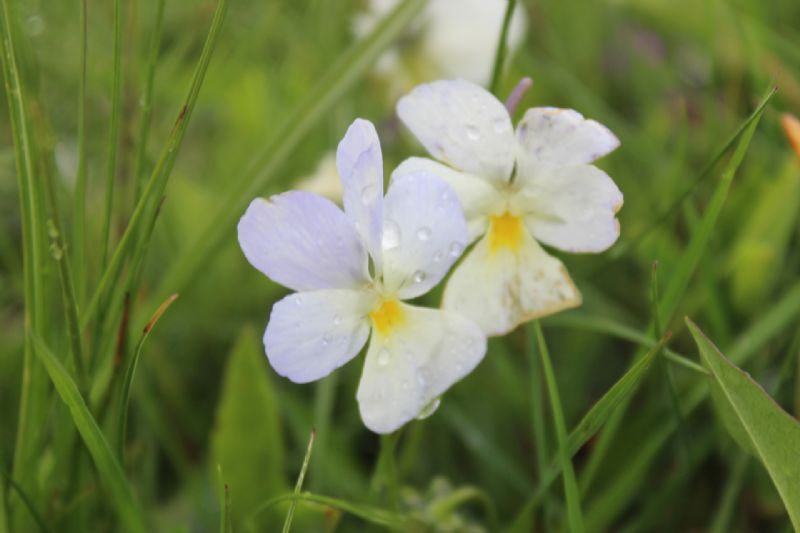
(502,47)
(287,524)
(114,131)
(386,468)
(79,214)
(147,100)
(570,484)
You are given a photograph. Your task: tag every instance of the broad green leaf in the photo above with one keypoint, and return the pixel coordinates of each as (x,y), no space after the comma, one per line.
(247,440)
(754,418)
(111,473)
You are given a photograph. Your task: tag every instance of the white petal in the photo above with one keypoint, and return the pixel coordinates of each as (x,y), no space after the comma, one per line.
(462,125)
(414,365)
(477,196)
(424,233)
(552,136)
(571,208)
(502,288)
(310,334)
(303,241)
(360,165)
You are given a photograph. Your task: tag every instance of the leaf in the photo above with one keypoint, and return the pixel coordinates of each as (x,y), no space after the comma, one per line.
(755,420)
(111,473)
(247,440)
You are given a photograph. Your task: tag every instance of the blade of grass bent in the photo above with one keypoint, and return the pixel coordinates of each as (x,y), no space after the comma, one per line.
(109,469)
(130,372)
(339,78)
(149,200)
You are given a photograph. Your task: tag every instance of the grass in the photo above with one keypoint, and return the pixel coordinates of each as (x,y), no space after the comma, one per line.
(144,130)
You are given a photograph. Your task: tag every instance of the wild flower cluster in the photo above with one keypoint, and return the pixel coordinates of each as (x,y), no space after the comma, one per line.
(496,190)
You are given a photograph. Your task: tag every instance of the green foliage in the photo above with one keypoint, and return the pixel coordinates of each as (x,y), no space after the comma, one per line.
(247,440)
(755,421)
(216,102)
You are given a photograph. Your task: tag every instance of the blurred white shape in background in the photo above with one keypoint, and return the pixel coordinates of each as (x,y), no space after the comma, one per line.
(324,180)
(450,39)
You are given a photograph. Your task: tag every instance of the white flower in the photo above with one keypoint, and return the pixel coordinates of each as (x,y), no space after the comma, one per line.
(453,38)
(516,188)
(410,239)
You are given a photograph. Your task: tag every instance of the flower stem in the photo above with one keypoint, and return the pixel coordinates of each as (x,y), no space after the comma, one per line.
(502,47)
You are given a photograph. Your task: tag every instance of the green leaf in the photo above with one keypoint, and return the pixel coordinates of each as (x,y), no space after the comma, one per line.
(111,473)
(247,440)
(756,421)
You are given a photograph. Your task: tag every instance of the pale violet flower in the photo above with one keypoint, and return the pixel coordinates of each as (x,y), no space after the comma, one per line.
(351,271)
(518,188)
(450,39)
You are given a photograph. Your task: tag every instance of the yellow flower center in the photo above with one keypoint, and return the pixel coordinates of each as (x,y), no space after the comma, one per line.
(387,317)
(505,231)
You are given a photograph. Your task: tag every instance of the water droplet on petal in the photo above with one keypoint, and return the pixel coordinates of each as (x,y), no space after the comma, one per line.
(437,257)
(421,378)
(326,339)
(429,409)
(298,300)
(472,132)
(337,320)
(406,384)
(391,235)
(424,233)
(419,276)
(384,355)
(455,249)
(500,124)
(369,193)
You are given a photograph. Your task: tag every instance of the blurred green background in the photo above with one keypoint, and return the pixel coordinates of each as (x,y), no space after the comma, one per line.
(673,80)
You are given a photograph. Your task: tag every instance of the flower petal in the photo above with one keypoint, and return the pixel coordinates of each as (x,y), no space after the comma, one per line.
(560,137)
(303,241)
(571,208)
(360,165)
(462,125)
(407,370)
(502,288)
(424,233)
(310,334)
(477,196)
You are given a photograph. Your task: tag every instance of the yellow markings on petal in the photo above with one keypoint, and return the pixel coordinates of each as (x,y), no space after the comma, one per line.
(387,317)
(505,231)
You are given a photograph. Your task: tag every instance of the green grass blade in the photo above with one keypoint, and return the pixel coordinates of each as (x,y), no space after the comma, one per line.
(368,513)
(147,100)
(750,413)
(564,457)
(29,505)
(148,203)
(317,103)
(287,525)
(130,372)
(33,393)
(113,134)
(727,502)
(600,412)
(625,246)
(502,48)
(680,277)
(110,471)
(78,248)
(225,524)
